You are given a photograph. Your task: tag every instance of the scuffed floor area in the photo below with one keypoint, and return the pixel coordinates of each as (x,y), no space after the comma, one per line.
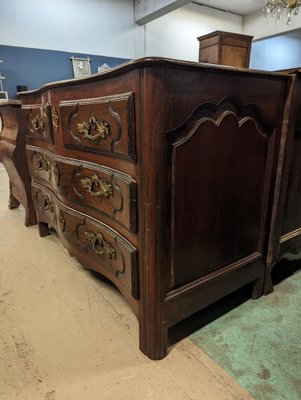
(258,342)
(66,335)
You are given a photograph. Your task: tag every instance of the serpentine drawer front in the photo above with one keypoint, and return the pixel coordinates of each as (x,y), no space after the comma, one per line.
(97,241)
(97,188)
(41,122)
(165,177)
(102,125)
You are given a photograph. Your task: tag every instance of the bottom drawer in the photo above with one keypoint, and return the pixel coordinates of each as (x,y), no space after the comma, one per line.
(93,243)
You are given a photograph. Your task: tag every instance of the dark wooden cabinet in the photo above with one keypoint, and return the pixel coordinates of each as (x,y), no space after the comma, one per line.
(161,175)
(285,233)
(291,226)
(13,157)
(225,48)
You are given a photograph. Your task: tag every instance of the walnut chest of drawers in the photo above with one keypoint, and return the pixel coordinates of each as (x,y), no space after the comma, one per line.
(13,157)
(161,176)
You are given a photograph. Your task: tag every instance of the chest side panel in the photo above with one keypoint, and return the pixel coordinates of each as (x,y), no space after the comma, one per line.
(220,172)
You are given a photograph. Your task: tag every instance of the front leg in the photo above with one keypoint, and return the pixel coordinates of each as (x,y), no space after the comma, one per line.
(12,201)
(30,217)
(258,288)
(268,284)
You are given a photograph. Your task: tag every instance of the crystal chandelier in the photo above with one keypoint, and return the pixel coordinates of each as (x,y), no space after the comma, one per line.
(275,7)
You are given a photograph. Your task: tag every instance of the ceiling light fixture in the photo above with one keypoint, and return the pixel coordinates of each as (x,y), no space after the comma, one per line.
(275,7)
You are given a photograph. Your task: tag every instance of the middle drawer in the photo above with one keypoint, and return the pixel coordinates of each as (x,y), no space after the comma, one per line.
(101,189)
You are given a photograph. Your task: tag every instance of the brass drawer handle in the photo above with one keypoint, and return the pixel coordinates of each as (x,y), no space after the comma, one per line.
(37,123)
(98,240)
(96,187)
(100,128)
(46,203)
(41,163)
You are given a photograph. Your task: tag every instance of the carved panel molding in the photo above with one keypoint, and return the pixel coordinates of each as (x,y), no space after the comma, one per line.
(104,125)
(236,137)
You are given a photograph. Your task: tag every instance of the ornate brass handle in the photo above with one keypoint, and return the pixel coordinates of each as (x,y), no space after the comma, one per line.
(37,123)
(100,128)
(54,117)
(98,240)
(96,187)
(46,203)
(41,163)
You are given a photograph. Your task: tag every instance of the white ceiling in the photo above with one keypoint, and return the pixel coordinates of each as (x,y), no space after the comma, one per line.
(240,7)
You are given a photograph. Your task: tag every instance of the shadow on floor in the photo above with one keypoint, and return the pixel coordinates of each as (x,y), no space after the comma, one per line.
(205,316)
(281,271)
(285,268)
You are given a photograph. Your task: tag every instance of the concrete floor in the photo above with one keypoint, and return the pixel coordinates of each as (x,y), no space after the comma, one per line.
(65,335)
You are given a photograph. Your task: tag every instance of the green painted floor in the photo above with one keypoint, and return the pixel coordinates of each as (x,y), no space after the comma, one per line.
(258,342)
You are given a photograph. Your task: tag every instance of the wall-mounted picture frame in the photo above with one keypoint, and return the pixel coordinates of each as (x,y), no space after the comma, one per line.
(81,66)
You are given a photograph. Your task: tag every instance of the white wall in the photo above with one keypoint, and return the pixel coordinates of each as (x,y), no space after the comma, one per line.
(256,25)
(175,34)
(107,27)
(279,52)
(275,46)
(101,27)
(148,10)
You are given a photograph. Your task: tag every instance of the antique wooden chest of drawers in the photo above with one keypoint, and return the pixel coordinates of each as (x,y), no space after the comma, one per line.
(285,233)
(13,157)
(161,175)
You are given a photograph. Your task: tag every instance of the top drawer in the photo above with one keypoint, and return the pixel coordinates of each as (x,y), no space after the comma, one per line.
(103,125)
(41,121)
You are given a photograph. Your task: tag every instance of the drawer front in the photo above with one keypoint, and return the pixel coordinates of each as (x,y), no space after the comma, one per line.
(104,125)
(96,243)
(42,121)
(97,188)
(45,206)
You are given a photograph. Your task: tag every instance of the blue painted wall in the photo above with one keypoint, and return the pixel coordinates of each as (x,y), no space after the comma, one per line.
(278,52)
(34,67)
